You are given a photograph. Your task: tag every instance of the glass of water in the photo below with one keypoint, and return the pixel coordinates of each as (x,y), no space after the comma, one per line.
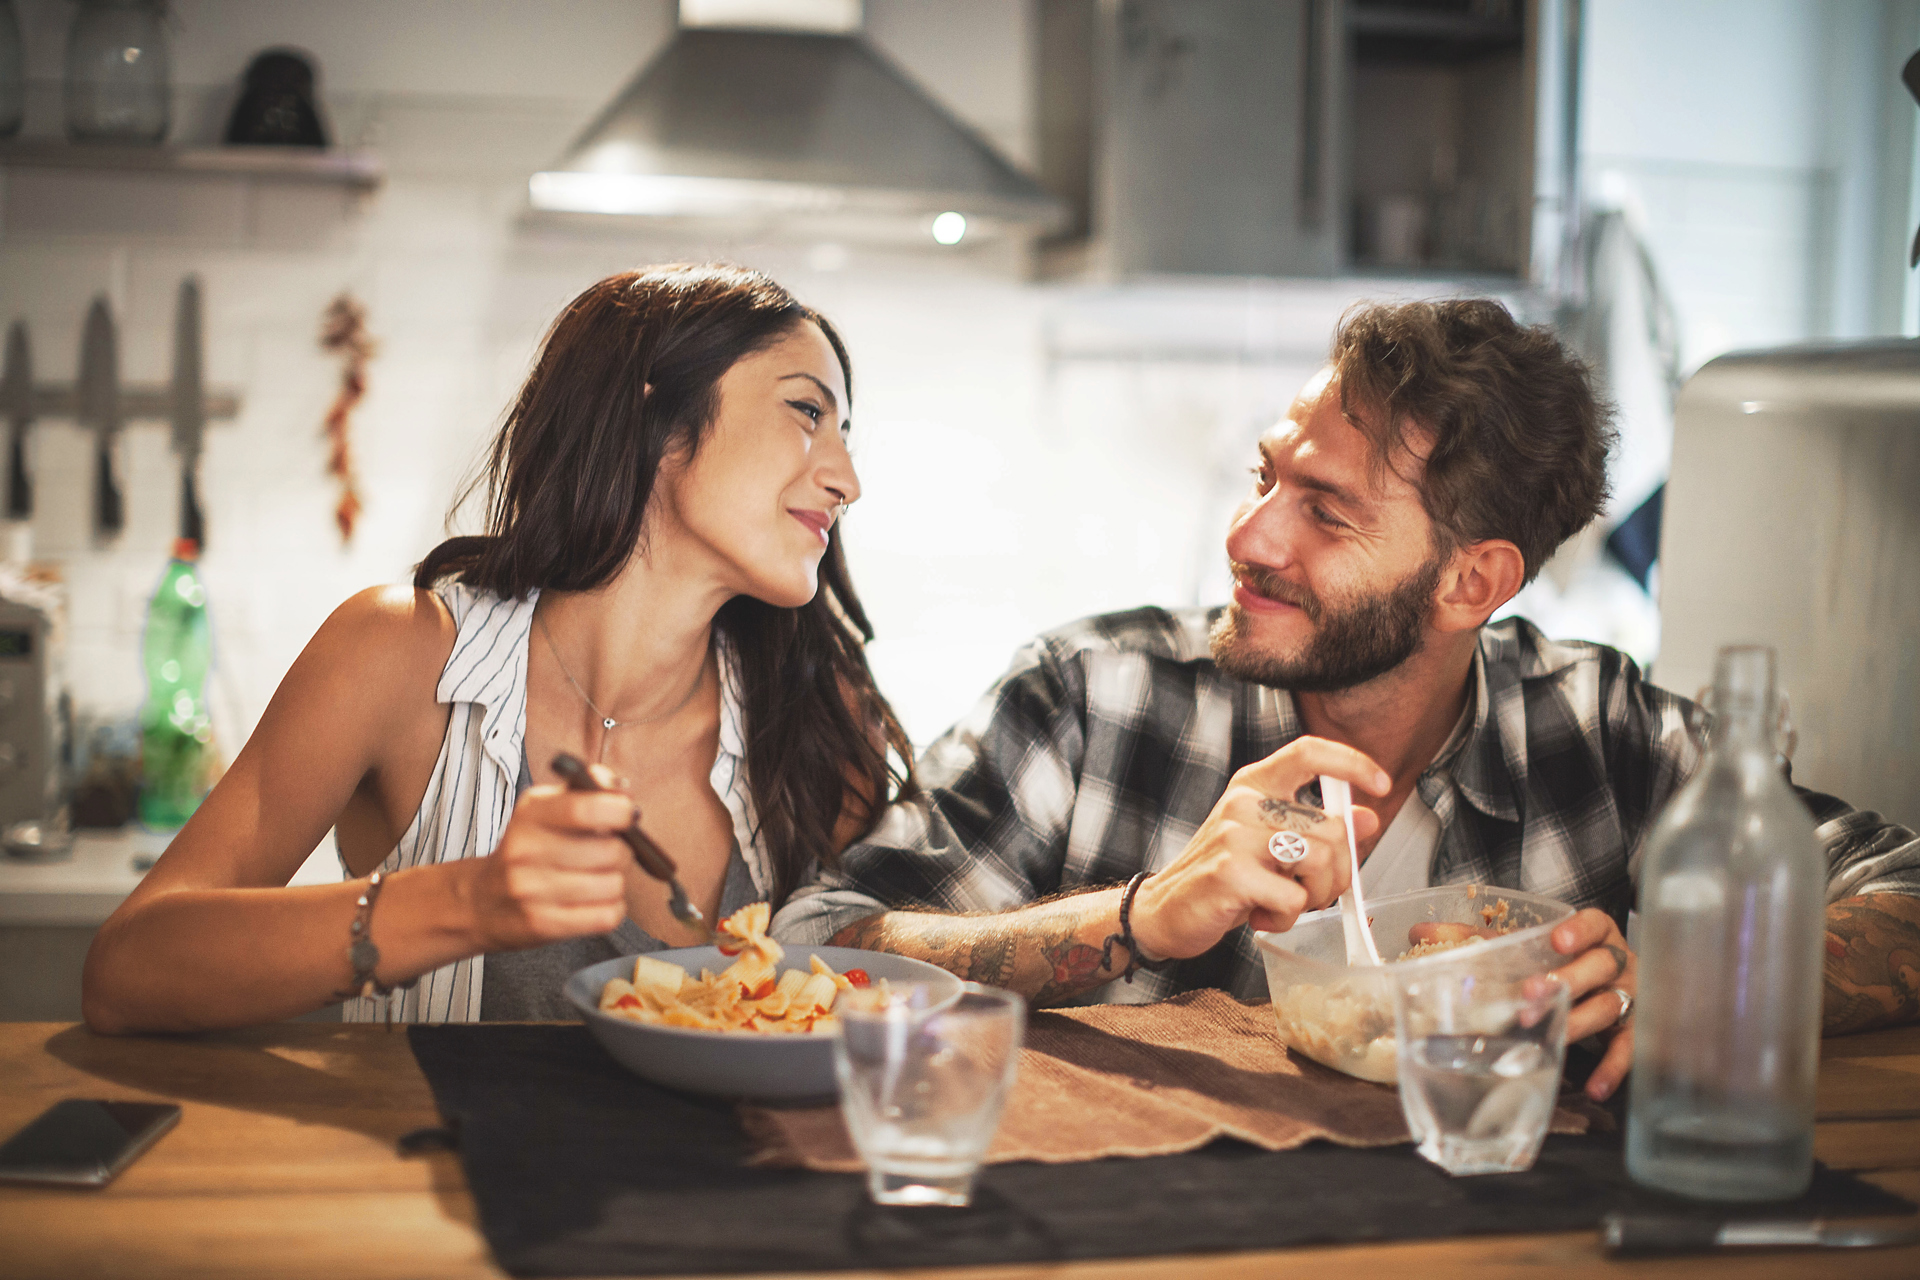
(1480,1056)
(922,1084)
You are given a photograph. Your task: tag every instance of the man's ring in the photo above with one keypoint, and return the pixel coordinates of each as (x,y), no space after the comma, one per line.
(1288,847)
(1626,1004)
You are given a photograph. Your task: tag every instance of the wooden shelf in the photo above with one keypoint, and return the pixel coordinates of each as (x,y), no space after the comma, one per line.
(357,170)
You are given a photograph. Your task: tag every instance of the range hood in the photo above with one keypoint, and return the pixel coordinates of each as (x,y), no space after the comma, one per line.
(804,130)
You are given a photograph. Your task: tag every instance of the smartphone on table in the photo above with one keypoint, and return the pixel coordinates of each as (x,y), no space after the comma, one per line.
(84,1142)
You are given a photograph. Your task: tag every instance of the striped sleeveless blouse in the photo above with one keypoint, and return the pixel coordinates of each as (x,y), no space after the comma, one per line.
(471,794)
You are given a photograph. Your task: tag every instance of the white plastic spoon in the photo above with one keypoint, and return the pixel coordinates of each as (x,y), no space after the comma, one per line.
(1338,798)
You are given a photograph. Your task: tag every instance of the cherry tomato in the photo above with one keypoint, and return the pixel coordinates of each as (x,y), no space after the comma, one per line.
(858,977)
(731,948)
(627,1002)
(760,992)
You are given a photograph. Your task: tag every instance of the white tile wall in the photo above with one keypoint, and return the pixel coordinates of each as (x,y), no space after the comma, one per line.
(1030,453)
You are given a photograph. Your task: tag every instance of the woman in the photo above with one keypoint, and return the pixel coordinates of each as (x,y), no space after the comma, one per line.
(660,590)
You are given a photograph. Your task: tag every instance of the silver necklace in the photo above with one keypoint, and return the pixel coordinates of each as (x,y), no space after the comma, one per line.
(608,723)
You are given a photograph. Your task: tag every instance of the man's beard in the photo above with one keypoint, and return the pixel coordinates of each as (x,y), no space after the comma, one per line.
(1353,641)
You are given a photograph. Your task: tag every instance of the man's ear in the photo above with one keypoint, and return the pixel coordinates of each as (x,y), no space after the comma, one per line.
(1478,578)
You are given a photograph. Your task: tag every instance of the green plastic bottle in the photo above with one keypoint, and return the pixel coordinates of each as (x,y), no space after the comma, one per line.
(176,733)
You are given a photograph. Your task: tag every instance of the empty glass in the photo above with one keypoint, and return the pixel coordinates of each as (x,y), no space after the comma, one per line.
(922,1084)
(1480,1056)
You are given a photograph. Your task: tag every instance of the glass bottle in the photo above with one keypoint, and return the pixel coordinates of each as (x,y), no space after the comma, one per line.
(1732,909)
(176,733)
(13,72)
(119,85)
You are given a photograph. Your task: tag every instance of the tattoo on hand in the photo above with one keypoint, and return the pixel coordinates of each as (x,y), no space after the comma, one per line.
(1620,959)
(1872,963)
(1289,816)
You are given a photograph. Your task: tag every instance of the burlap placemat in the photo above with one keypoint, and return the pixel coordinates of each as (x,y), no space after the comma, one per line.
(1148,1080)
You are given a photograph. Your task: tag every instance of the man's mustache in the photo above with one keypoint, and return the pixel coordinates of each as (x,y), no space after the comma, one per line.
(1267,583)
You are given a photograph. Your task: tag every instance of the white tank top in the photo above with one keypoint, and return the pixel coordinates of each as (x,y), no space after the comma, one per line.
(471,794)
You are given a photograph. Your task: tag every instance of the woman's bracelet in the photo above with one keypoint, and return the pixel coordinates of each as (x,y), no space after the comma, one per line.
(1135,961)
(362,954)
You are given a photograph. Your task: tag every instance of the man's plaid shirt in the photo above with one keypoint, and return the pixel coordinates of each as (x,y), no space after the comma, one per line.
(1107,743)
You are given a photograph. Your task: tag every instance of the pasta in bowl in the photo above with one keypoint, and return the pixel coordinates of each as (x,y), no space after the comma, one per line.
(699,1030)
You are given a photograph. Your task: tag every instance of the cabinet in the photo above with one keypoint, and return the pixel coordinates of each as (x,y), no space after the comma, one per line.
(1440,135)
(1306,137)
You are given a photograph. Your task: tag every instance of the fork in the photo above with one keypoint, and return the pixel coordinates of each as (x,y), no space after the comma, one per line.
(652,858)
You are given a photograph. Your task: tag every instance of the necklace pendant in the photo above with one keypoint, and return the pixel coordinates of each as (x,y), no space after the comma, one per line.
(609,723)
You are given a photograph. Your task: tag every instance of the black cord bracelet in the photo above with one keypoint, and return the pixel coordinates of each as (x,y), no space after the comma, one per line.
(1135,961)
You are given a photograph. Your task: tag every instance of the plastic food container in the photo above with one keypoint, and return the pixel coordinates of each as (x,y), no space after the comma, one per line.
(1343,1018)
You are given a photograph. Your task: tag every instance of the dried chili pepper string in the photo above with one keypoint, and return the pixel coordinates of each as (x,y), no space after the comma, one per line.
(343,332)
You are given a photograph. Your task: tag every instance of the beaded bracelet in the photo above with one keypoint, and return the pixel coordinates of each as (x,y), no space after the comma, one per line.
(362,954)
(1135,961)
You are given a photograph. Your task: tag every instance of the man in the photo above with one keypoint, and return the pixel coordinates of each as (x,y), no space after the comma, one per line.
(1416,484)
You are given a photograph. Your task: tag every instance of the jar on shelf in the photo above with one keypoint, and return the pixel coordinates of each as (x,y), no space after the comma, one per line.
(119,82)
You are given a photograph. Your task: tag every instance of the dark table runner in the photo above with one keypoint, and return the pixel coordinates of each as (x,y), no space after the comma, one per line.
(580,1168)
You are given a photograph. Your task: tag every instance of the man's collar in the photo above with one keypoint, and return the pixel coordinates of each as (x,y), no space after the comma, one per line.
(1488,758)
(1491,757)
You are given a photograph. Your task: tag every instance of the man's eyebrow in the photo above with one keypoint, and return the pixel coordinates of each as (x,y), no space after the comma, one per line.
(1319,484)
(1338,493)
(825,390)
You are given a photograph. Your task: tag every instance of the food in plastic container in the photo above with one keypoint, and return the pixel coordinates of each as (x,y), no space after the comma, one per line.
(1342,1017)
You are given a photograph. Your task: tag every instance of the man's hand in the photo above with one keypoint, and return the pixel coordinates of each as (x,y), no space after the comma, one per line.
(1228,877)
(1601,970)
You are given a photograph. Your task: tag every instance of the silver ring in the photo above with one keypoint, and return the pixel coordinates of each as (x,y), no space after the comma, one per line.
(1626,1004)
(1288,847)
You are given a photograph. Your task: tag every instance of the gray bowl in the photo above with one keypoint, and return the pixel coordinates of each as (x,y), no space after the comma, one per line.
(736,1064)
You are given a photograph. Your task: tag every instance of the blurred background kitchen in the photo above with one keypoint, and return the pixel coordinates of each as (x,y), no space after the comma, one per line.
(1083,252)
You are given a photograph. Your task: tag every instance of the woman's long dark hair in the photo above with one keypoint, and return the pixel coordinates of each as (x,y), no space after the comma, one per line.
(568,480)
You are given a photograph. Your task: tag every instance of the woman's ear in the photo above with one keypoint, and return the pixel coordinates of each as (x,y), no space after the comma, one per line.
(1479,578)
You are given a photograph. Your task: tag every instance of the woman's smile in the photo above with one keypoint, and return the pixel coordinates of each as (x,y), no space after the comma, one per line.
(818,521)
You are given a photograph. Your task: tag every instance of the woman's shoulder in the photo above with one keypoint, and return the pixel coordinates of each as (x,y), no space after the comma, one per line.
(388,633)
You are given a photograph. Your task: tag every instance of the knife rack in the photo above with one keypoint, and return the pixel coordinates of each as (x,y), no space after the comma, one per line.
(139,401)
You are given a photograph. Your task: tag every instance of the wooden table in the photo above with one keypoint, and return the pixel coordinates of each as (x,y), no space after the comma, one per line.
(284,1165)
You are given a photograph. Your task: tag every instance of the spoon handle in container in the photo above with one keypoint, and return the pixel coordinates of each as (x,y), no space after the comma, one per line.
(1338,797)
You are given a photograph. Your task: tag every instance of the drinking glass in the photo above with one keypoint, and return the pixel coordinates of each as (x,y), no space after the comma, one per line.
(1480,1055)
(922,1084)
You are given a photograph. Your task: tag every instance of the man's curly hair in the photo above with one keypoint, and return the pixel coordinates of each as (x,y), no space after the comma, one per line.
(1518,440)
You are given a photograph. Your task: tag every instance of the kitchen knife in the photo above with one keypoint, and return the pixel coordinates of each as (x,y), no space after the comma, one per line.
(99,408)
(1633,1235)
(1910,76)
(189,408)
(16,401)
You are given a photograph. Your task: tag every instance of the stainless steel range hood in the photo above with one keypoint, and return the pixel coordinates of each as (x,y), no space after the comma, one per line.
(801,130)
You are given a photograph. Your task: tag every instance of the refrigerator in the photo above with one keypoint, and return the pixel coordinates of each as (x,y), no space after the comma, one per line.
(1792,518)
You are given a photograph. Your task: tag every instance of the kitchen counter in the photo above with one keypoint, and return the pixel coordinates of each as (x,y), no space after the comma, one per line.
(284,1165)
(49,912)
(79,890)
(84,889)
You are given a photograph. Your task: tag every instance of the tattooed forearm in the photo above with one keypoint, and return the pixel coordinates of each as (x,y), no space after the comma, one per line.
(1873,963)
(1047,952)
